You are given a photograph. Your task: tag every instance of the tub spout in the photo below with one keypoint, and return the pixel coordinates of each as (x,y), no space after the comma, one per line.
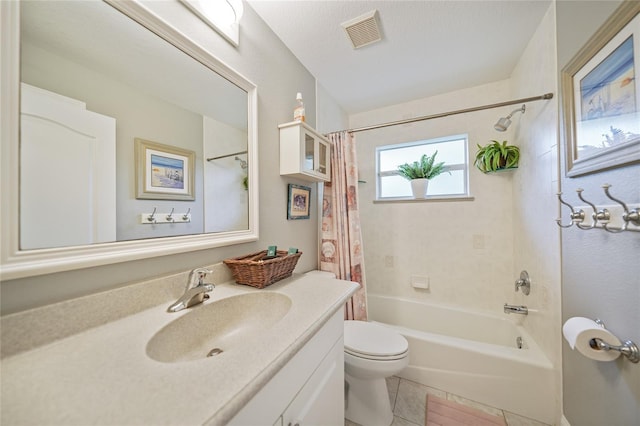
(513,309)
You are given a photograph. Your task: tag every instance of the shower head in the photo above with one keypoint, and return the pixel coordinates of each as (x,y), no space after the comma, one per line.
(243,163)
(504,122)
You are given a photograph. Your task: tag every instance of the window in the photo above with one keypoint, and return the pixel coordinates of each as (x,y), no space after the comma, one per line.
(451,149)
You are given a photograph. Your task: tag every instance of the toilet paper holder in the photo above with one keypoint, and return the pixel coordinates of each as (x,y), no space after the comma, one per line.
(628,348)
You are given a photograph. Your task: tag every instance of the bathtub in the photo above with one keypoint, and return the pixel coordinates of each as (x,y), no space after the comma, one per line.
(471,354)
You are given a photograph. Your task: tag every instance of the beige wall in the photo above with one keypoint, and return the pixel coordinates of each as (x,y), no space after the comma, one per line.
(263,59)
(536,235)
(464,247)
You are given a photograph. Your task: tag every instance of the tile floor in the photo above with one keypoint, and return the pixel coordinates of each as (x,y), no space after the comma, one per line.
(408,403)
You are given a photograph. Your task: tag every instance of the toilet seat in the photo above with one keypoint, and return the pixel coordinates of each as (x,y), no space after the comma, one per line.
(370,341)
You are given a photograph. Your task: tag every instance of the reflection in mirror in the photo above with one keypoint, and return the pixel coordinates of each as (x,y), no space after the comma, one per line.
(81,81)
(93,81)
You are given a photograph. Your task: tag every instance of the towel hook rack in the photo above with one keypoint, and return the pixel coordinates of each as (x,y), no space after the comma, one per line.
(613,218)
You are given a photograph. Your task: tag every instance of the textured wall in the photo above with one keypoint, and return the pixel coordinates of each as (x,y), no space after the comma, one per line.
(600,271)
(537,237)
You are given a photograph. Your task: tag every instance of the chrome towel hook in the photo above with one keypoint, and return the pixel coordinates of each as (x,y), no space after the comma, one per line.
(594,215)
(627,216)
(152,217)
(170,215)
(577,216)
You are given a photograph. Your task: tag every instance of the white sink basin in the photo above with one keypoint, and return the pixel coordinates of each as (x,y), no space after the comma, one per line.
(213,329)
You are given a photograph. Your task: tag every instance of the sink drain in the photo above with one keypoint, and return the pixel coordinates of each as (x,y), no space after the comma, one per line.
(214,352)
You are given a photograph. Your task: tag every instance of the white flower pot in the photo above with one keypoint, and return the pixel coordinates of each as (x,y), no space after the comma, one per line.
(419,187)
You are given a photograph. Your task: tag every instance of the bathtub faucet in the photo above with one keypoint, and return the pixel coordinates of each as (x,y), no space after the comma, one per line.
(513,309)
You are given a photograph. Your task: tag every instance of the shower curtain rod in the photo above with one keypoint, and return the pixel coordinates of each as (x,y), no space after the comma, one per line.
(225,156)
(446,114)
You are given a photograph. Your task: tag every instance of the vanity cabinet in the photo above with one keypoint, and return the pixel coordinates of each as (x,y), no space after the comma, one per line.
(309,389)
(304,153)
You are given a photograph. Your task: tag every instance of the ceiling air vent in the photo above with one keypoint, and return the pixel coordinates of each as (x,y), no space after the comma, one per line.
(363,30)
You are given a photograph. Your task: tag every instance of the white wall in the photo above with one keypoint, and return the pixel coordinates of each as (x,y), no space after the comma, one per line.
(263,59)
(464,247)
(331,116)
(226,201)
(536,235)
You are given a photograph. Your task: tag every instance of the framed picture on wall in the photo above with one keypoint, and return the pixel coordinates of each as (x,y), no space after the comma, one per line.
(298,202)
(601,96)
(164,172)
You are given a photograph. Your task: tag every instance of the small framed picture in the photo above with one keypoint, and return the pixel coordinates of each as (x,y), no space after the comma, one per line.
(601,97)
(298,202)
(164,172)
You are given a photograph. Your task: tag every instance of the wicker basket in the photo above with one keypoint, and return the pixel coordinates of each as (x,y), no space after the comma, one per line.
(252,270)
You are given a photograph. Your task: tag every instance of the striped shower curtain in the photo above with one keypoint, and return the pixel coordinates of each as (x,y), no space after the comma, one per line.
(341,245)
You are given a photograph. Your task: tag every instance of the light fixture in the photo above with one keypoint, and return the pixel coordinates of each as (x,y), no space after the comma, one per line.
(221,15)
(504,122)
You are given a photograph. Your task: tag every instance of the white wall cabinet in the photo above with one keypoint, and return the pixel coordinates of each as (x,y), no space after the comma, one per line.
(309,389)
(304,153)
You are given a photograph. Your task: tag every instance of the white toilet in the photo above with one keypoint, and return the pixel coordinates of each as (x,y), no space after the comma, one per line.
(371,353)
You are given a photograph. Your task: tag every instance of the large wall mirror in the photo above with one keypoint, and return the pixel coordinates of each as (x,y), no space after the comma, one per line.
(121,139)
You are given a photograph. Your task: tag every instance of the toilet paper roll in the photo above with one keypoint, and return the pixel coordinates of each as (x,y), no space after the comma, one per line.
(579,331)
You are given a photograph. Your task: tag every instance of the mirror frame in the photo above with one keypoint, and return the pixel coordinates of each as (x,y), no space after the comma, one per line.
(15,263)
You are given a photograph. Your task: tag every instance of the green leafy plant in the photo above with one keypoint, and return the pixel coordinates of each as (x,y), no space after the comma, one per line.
(497,156)
(426,168)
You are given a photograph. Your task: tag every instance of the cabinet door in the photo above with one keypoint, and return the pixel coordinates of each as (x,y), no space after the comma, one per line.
(309,154)
(323,158)
(321,401)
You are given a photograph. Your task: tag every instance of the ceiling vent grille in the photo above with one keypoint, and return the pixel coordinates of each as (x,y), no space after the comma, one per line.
(363,30)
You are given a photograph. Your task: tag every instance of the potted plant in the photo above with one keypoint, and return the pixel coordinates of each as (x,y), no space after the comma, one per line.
(497,156)
(420,172)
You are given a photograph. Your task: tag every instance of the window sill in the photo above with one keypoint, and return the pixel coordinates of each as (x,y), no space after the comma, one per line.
(434,199)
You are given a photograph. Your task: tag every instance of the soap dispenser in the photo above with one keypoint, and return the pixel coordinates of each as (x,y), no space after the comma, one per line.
(298,111)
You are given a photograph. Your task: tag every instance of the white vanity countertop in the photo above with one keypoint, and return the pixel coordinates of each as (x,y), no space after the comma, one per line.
(104,376)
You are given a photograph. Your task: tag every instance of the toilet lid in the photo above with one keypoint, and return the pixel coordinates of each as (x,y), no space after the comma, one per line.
(363,338)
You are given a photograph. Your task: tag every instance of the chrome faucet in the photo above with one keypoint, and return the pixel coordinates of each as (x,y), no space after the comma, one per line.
(195,292)
(513,309)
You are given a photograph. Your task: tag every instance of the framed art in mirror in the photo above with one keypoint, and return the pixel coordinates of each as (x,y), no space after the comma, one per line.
(601,96)
(164,172)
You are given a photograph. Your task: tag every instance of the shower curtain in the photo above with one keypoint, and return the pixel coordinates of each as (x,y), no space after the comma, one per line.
(341,244)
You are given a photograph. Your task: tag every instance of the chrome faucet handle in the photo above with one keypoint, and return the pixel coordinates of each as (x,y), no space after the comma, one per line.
(197,276)
(524,283)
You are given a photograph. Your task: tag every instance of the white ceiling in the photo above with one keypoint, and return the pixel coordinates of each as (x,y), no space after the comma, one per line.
(428,47)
